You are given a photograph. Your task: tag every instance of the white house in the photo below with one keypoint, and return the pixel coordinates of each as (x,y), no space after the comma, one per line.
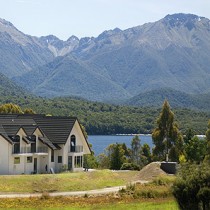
(40,144)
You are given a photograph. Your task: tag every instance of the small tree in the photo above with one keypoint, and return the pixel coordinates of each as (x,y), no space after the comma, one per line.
(207,158)
(195,149)
(117,157)
(90,160)
(103,161)
(113,157)
(135,150)
(190,133)
(146,154)
(166,137)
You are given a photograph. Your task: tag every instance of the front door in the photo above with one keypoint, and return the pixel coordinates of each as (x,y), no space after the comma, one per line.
(69,163)
(35,165)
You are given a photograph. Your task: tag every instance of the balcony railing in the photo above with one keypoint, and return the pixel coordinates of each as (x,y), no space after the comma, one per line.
(24,150)
(78,148)
(42,150)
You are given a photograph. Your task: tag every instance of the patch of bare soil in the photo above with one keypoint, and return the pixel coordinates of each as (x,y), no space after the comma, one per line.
(150,171)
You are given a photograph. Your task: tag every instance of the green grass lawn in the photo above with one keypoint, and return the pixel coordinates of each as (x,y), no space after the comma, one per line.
(64,182)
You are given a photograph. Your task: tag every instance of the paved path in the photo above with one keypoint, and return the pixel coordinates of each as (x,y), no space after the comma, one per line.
(106,190)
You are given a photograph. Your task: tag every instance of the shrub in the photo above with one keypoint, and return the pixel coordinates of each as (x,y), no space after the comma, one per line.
(163,181)
(191,188)
(130,166)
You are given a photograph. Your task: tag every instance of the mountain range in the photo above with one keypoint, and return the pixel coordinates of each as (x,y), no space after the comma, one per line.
(167,56)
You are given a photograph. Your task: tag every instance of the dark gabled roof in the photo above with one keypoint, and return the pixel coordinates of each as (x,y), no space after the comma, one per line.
(29,129)
(55,129)
(6,138)
(4,134)
(14,119)
(2,131)
(11,130)
(46,141)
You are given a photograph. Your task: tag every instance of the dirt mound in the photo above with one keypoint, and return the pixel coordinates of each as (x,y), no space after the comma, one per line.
(150,171)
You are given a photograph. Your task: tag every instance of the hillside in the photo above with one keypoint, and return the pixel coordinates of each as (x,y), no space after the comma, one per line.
(66,76)
(177,99)
(170,53)
(9,89)
(104,119)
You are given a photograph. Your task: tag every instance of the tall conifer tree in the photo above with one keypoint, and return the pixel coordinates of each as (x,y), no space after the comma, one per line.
(167,138)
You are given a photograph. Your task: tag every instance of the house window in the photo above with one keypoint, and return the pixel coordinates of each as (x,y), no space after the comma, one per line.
(73,143)
(52,155)
(33,143)
(78,162)
(16,141)
(59,159)
(29,159)
(16,160)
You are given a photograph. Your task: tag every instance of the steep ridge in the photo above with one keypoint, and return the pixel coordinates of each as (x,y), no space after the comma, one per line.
(20,53)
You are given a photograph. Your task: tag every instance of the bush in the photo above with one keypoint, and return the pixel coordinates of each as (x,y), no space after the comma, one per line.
(191,189)
(130,166)
(163,181)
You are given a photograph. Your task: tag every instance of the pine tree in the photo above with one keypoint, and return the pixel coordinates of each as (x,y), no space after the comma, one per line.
(167,137)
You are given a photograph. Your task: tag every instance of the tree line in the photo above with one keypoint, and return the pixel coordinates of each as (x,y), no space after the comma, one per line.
(105,119)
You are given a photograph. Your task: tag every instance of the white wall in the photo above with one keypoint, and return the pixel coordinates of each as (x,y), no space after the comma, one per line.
(51,164)
(4,156)
(58,166)
(80,141)
(29,167)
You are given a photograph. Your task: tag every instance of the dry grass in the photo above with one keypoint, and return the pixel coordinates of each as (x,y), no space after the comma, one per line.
(103,202)
(65,182)
(155,195)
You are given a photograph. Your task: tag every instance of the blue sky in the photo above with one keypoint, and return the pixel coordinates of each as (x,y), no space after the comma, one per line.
(82,18)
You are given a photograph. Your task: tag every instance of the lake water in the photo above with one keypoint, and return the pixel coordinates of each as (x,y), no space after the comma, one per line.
(100,143)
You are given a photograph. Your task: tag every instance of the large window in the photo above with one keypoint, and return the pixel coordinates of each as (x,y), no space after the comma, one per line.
(78,162)
(73,143)
(59,159)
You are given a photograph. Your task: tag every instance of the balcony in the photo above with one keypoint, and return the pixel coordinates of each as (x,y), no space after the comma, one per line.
(76,149)
(27,150)
(42,150)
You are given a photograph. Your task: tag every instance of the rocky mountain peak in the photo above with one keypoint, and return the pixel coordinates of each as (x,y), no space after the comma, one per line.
(109,33)
(5,23)
(179,19)
(72,39)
